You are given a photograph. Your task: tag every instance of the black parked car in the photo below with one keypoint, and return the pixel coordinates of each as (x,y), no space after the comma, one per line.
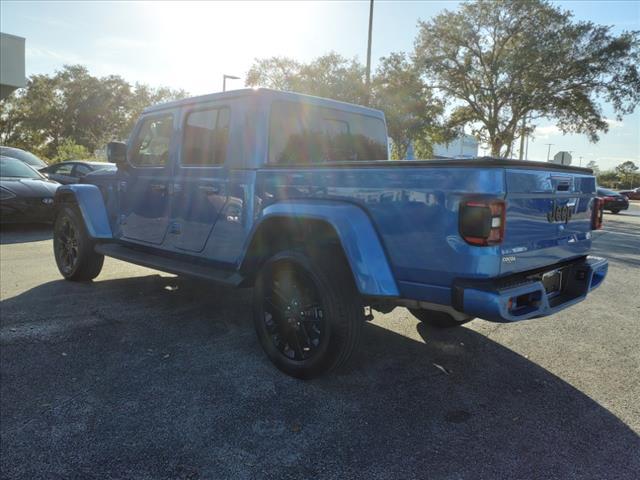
(613,201)
(73,171)
(25,195)
(24,156)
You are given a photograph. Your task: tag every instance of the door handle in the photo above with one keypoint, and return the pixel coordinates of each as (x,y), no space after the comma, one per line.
(209,189)
(158,187)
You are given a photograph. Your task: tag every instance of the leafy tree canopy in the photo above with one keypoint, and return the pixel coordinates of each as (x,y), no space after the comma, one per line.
(75,107)
(412,113)
(499,61)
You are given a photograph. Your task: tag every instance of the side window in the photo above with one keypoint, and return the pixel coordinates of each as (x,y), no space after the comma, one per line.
(151,147)
(63,169)
(206,134)
(81,170)
(302,134)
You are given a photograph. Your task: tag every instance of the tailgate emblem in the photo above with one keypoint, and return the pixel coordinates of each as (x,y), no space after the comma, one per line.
(559,214)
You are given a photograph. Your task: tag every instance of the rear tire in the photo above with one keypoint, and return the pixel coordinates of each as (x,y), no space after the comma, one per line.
(437,319)
(73,248)
(307,313)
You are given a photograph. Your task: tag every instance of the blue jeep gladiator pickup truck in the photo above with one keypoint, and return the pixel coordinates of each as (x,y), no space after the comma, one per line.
(296,197)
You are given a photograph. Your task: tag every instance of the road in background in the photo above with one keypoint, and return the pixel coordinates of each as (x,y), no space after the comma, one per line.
(145,375)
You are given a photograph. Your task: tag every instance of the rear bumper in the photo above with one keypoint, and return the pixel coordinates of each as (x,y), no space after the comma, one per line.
(523,296)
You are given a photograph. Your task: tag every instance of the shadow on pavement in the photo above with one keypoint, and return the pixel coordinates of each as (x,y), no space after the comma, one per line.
(22,233)
(160,377)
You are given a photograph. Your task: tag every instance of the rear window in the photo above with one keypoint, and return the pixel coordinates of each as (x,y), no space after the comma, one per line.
(304,134)
(206,133)
(27,157)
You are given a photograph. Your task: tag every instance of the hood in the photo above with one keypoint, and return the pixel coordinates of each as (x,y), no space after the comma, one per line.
(30,187)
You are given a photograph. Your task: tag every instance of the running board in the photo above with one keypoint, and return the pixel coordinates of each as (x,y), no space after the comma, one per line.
(169,265)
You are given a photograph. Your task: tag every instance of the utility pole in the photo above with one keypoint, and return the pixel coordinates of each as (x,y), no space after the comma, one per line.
(549,150)
(369,51)
(524,118)
(580,160)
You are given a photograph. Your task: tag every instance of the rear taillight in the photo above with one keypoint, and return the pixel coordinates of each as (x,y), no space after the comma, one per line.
(597,213)
(482,221)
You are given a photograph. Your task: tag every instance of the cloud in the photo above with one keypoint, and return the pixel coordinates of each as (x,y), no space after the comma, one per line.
(546,131)
(614,123)
(57,55)
(121,43)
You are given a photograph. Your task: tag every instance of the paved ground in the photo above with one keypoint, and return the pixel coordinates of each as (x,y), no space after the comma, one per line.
(141,375)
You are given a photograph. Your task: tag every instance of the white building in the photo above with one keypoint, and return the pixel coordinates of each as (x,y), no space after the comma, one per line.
(12,73)
(462,147)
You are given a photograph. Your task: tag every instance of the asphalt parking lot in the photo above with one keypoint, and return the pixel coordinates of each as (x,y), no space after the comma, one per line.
(145,375)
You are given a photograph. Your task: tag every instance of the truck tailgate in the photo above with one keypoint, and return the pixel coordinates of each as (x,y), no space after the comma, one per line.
(548,218)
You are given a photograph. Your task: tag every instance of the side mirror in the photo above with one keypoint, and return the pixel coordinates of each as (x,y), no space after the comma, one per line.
(117,152)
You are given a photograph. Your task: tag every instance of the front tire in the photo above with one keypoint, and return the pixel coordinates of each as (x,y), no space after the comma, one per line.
(73,248)
(307,313)
(437,319)
(615,212)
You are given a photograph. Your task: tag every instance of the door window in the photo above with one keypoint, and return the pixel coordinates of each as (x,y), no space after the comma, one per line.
(63,169)
(307,134)
(151,148)
(206,134)
(81,170)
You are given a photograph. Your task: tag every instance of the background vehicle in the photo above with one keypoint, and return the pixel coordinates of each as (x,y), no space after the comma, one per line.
(612,201)
(25,195)
(294,195)
(631,194)
(73,171)
(24,156)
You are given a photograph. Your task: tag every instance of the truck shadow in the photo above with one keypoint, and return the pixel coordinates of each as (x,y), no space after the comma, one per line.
(165,375)
(23,233)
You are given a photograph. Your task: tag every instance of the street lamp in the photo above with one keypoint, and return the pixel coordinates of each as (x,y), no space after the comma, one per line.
(549,150)
(224,81)
(368,71)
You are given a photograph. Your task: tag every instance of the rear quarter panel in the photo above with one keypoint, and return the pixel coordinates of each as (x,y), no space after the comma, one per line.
(414,210)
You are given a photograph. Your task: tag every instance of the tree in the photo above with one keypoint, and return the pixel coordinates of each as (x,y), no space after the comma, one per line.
(69,150)
(413,115)
(608,179)
(330,75)
(499,61)
(593,166)
(74,106)
(626,171)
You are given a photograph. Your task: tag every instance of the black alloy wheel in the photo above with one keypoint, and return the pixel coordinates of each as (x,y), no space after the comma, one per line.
(293,313)
(66,245)
(307,313)
(73,248)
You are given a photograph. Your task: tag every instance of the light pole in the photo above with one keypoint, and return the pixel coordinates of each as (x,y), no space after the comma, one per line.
(224,81)
(549,150)
(369,50)
(580,160)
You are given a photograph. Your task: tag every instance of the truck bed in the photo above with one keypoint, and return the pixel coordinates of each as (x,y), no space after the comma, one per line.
(414,206)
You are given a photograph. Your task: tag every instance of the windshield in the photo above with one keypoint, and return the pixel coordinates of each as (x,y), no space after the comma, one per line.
(26,157)
(10,167)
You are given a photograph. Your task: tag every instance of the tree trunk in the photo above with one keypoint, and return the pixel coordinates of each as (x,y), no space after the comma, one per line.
(496,146)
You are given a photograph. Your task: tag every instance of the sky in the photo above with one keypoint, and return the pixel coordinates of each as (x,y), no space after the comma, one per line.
(190,45)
